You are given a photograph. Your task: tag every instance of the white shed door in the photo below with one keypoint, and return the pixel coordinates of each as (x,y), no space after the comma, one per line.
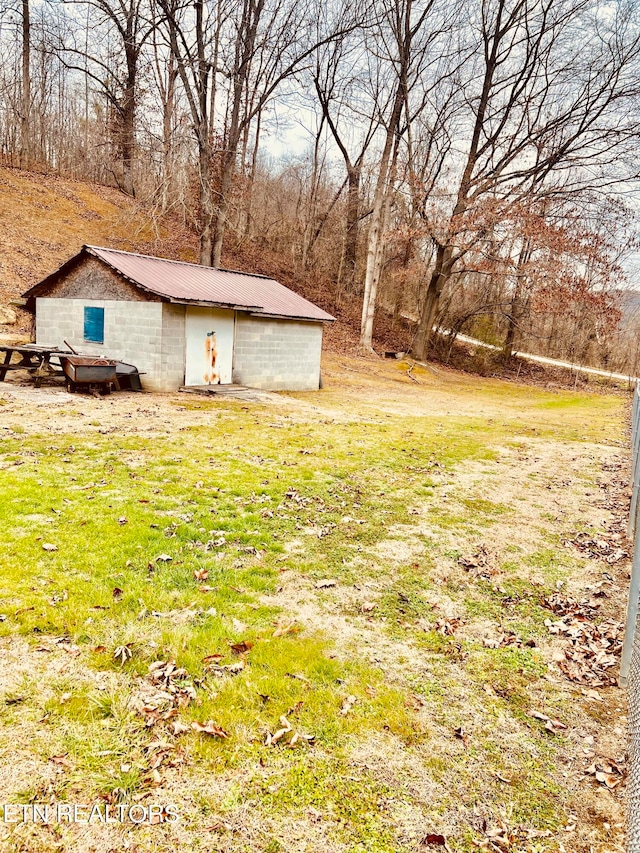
(209,333)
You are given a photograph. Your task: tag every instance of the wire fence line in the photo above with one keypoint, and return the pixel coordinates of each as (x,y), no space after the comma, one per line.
(634,587)
(630,663)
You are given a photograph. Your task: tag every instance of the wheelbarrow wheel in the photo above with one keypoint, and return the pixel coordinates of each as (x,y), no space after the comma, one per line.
(70,386)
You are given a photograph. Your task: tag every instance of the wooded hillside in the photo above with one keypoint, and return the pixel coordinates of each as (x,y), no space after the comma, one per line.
(464,166)
(46,219)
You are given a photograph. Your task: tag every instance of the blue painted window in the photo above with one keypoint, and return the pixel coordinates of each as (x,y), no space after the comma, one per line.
(94,325)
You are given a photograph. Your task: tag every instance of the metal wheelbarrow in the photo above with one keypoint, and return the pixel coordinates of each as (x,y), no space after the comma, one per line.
(92,373)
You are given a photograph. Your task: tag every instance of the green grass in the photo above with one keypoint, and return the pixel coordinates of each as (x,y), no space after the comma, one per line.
(242,504)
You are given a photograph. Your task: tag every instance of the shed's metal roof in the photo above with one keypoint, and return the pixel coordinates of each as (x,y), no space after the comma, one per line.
(179,281)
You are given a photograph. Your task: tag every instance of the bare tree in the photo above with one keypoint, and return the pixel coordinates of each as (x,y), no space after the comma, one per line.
(342,82)
(130,25)
(190,37)
(409,35)
(25,117)
(551,113)
(261,43)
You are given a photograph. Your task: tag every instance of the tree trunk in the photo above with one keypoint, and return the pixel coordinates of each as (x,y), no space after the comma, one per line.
(376,227)
(222,205)
(127,145)
(25,118)
(168,109)
(206,204)
(248,227)
(352,226)
(445,262)
(518,301)
(439,277)
(128,106)
(311,207)
(242,67)
(374,260)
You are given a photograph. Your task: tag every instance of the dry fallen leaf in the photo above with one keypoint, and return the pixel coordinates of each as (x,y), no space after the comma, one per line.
(223,669)
(554,726)
(347,704)
(296,738)
(212,659)
(503,779)
(289,628)
(241,647)
(608,779)
(47,546)
(209,728)
(448,627)
(461,735)
(551,725)
(274,738)
(433,839)
(123,653)
(201,574)
(593,694)
(327,582)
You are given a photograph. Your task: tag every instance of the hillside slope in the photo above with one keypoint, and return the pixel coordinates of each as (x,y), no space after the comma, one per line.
(46,219)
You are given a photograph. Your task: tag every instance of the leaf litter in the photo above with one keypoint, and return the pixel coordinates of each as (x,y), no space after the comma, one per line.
(591,650)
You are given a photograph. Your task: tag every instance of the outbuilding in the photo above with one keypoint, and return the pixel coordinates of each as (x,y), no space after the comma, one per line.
(181,324)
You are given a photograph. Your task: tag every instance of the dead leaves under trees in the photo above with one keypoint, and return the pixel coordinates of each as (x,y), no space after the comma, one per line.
(592,650)
(606,771)
(448,626)
(210,728)
(498,836)
(167,688)
(609,550)
(505,639)
(287,735)
(481,564)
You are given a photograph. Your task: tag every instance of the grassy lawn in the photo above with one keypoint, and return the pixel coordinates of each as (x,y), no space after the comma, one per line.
(290,578)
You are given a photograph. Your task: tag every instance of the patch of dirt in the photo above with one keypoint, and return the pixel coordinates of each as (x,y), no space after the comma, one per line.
(513,507)
(545,487)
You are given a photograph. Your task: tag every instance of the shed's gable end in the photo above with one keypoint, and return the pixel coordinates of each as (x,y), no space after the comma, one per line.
(90,278)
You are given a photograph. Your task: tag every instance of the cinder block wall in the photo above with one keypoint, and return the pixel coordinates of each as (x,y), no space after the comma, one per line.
(277,355)
(132,332)
(173,353)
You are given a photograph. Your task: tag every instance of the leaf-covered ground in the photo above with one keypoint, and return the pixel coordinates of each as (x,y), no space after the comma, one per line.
(384,617)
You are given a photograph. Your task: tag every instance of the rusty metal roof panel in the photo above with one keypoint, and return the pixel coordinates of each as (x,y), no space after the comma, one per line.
(179,281)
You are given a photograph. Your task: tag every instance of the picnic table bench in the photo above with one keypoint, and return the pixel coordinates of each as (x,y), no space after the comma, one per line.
(33,358)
